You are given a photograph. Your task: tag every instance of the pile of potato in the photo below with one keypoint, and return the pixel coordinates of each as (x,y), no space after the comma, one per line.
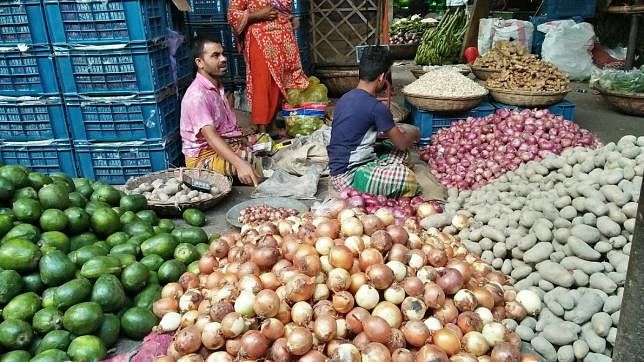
(172,190)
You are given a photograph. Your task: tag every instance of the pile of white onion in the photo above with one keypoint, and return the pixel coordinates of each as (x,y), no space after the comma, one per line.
(351,287)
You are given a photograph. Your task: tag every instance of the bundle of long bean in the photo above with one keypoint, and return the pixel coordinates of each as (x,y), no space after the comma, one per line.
(441,45)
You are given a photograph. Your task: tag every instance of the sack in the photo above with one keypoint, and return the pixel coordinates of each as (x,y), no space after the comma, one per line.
(492,30)
(568,46)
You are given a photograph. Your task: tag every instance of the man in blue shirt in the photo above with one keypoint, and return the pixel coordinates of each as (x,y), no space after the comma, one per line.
(357,120)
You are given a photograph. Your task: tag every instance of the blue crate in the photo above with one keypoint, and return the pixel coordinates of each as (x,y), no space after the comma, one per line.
(300,7)
(538,37)
(32,118)
(41,156)
(564,108)
(430,122)
(184,62)
(568,8)
(27,71)
(22,22)
(220,31)
(82,21)
(133,68)
(207,11)
(115,163)
(129,118)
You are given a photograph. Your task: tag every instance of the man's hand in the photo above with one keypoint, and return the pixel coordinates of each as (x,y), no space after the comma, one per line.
(264,14)
(246,174)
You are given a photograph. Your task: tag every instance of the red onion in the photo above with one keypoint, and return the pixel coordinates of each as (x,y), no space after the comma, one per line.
(450,280)
(501,142)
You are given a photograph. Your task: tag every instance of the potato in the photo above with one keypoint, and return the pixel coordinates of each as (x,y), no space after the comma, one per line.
(193,193)
(171,188)
(183,198)
(156,183)
(145,187)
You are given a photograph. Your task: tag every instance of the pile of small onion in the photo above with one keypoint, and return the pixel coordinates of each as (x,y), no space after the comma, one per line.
(255,215)
(356,287)
(473,152)
(402,208)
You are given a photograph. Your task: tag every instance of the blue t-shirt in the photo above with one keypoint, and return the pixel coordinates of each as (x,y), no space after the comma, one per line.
(357,119)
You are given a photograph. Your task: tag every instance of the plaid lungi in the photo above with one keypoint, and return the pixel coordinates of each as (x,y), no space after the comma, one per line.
(388,176)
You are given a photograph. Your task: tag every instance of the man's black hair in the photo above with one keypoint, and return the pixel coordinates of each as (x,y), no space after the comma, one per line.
(373,62)
(199,42)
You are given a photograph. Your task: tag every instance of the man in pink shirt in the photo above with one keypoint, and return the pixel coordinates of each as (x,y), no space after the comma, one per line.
(209,131)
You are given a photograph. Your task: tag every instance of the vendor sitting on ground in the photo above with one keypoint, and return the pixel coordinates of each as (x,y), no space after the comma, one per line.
(358,118)
(209,131)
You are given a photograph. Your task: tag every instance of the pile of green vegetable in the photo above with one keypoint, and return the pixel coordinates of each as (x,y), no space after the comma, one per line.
(442,44)
(409,30)
(623,81)
(81,264)
(316,92)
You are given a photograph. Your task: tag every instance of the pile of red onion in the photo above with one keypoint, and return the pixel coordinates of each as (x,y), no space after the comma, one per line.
(402,208)
(473,152)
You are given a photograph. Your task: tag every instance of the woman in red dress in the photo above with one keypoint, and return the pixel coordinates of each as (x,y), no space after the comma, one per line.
(265,32)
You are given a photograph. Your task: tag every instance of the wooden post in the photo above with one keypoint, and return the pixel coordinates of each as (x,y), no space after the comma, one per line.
(481,10)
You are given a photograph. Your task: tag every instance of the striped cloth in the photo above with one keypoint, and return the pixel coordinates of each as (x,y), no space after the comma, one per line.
(210,160)
(388,176)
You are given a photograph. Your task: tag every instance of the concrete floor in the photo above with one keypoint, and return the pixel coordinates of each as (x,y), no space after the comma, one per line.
(592,113)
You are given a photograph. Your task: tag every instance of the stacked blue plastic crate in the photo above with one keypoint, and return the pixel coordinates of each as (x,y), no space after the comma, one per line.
(119,82)
(209,18)
(33,131)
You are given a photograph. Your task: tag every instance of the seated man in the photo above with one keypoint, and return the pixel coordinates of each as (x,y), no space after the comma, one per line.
(209,131)
(358,118)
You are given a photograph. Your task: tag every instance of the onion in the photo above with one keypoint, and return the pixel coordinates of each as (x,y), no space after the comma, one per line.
(450,280)
(325,328)
(220,356)
(377,330)
(475,343)
(351,226)
(233,346)
(323,307)
(354,319)
(245,303)
(398,234)
(369,257)
(172,290)
(385,215)
(381,241)
(187,340)
(416,333)
(164,306)
(313,356)
(170,322)
(323,245)
(424,210)
(447,312)
(341,257)
(207,263)
(233,325)
(395,294)
(389,312)
(469,321)
(211,336)
(431,353)
(505,352)
(343,302)
(299,341)
(272,329)
(530,301)
(380,275)
(253,345)
(433,296)
(371,223)
(402,355)
(301,313)
(447,341)
(357,280)
(465,300)
(376,352)
(338,280)
(329,228)
(494,333)
(367,297)
(346,353)
(433,324)
(437,257)
(279,351)
(483,297)
(514,310)
(355,244)
(399,253)
(462,266)
(299,288)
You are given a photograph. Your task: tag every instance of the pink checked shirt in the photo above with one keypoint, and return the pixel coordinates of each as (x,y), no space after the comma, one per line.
(203,105)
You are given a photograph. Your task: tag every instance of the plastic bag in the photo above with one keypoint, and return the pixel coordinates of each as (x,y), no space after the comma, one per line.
(620,81)
(283,184)
(568,46)
(304,121)
(492,30)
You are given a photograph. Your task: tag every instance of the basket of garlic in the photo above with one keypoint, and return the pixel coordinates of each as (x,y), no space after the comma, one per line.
(444,90)
(168,195)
